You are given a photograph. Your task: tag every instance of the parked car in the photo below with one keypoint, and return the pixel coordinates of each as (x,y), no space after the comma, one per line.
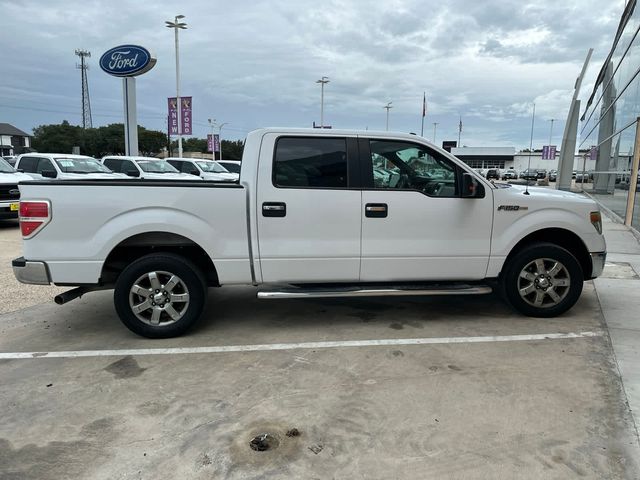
(203,168)
(542,173)
(493,173)
(300,226)
(62,166)
(9,192)
(509,175)
(10,159)
(553,175)
(147,168)
(232,165)
(529,174)
(582,177)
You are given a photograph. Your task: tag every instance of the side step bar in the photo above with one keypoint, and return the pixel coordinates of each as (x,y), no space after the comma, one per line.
(379,291)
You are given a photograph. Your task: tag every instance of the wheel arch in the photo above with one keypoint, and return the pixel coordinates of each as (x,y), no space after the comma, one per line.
(136,246)
(561,237)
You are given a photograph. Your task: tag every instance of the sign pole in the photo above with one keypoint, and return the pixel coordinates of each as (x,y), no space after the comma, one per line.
(130,116)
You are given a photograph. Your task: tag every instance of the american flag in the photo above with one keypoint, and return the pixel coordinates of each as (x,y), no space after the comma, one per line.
(424,104)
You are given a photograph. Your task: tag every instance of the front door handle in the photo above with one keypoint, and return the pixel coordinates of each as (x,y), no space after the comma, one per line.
(376,210)
(274,209)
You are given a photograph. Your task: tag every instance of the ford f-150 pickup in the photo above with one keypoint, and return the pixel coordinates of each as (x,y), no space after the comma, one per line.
(316,213)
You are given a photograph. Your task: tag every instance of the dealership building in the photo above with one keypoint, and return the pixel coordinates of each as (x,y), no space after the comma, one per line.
(609,118)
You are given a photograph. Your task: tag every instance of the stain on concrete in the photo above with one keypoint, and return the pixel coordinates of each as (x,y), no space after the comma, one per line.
(152,408)
(98,428)
(455,368)
(396,326)
(126,367)
(365,316)
(397,353)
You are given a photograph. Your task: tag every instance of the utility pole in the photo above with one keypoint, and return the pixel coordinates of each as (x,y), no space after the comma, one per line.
(388,107)
(213,139)
(459,131)
(435,126)
(178,26)
(322,82)
(551,130)
(86,102)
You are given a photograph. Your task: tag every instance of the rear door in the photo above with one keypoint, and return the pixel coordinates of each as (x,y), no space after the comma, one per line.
(415,225)
(308,209)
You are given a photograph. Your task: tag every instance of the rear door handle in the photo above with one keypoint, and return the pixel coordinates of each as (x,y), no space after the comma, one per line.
(376,210)
(274,209)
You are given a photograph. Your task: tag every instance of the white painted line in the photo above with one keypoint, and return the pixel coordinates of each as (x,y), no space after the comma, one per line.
(296,346)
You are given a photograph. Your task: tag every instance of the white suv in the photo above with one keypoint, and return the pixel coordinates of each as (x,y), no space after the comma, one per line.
(148,168)
(203,168)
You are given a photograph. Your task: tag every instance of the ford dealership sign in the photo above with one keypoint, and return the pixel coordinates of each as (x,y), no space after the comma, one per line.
(127,61)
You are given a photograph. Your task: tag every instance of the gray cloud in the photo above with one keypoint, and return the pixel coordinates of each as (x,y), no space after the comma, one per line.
(255,63)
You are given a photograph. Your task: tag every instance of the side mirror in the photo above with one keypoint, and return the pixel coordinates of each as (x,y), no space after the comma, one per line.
(132,173)
(471,188)
(49,174)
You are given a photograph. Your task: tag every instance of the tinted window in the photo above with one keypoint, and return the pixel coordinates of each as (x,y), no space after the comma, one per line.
(310,162)
(232,167)
(28,164)
(408,166)
(127,166)
(177,164)
(45,164)
(113,164)
(190,168)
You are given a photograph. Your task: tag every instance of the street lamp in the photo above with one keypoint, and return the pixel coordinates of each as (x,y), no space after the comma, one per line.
(435,125)
(178,26)
(322,81)
(551,130)
(388,107)
(220,136)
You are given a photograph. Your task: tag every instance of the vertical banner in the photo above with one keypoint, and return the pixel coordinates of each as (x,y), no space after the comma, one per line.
(186,115)
(593,153)
(173,116)
(215,146)
(549,152)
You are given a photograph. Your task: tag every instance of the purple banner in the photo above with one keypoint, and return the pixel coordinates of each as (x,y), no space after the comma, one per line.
(593,153)
(186,115)
(173,115)
(216,143)
(549,152)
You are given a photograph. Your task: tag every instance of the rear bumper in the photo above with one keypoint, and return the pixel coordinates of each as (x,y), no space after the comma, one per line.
(5,209)
(33,273)
(597,263)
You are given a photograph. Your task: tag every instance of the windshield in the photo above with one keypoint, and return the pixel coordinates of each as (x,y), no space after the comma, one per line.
(156,166)
(212,166)
(81,165)
(5,167)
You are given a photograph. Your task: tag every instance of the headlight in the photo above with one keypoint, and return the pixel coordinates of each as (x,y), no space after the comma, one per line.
(596,221)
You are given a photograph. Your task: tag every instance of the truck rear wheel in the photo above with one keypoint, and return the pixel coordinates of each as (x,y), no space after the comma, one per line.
(543,280)
(160,295)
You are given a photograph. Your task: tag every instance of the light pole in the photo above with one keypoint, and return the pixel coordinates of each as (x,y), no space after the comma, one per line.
(213,138)
(322,82)
(388,107)
(220,136)
(551,130)
(177,26)
(435,126)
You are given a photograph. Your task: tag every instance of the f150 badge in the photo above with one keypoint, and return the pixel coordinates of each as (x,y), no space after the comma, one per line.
(512,208)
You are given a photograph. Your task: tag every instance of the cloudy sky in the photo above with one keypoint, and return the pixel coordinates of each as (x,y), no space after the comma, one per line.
(255,63)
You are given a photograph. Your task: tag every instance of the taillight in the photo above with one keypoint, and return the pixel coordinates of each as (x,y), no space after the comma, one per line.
(34,215)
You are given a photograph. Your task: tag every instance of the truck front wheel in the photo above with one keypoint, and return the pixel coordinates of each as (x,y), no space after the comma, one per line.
(542,280)
(160,295)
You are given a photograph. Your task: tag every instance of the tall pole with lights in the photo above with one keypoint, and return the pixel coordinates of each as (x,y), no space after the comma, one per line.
(176,25)
(220,136)
(388,107)
(322,83)
(212,123)
(435,126)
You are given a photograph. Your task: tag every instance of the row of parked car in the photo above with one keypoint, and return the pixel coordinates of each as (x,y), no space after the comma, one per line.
(532,174)
(48,166)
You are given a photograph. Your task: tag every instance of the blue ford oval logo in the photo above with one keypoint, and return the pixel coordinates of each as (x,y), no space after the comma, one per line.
(127,61)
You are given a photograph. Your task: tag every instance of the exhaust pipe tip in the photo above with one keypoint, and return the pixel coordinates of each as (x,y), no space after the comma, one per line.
(59,299)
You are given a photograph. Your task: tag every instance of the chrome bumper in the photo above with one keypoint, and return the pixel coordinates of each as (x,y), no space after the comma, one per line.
(34,273)
(597,263)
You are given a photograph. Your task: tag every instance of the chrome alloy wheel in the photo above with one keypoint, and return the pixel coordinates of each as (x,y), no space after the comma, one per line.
(159,298)
(544,283)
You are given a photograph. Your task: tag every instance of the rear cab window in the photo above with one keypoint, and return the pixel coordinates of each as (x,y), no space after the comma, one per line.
(310,162)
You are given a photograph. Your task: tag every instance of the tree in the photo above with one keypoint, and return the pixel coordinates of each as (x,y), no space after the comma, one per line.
(96,142)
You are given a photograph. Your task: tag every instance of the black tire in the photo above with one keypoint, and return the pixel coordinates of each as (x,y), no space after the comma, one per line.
(543,284)
(160,266)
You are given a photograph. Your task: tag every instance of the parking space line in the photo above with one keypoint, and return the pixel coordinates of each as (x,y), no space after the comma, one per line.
(296,346)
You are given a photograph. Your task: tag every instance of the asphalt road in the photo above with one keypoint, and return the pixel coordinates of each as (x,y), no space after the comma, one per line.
(458,388)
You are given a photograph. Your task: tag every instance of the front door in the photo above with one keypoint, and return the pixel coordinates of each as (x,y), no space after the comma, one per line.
(415,225)
(308,217)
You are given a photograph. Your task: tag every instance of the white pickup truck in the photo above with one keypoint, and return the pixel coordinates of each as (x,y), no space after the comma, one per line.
(316,213)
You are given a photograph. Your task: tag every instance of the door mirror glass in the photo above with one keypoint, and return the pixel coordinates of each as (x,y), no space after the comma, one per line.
(49,173)
(471,188)
(133,173)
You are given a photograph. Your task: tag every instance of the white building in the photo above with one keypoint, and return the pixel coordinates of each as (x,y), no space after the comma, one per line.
(13,141)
